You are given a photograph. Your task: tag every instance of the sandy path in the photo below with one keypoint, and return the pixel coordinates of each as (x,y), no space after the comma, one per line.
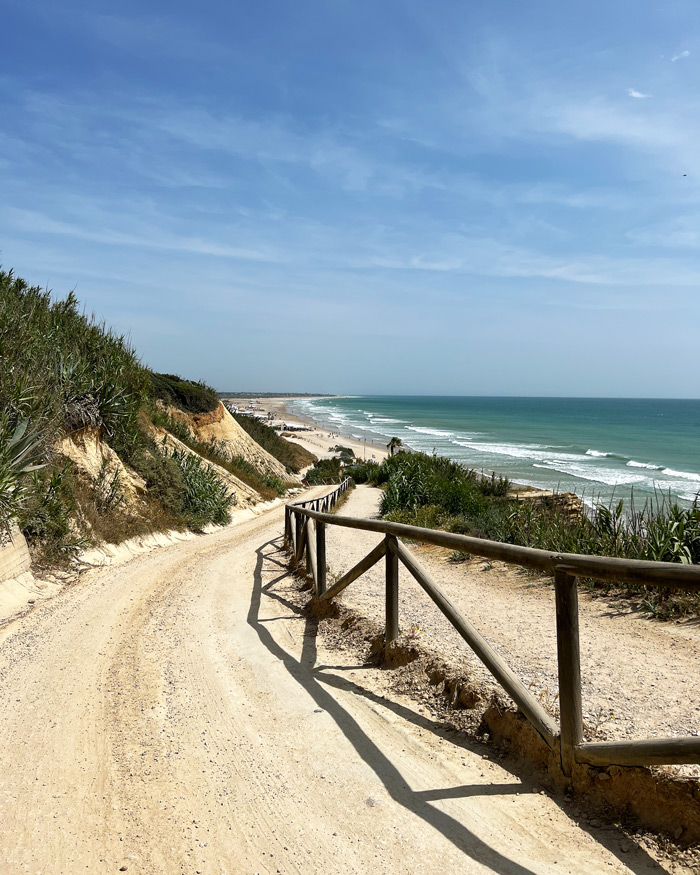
(638,675)
(174,715)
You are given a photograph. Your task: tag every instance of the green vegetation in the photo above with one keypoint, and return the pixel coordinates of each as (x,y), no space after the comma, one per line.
(206,499)
(46,513)
(265,484)
(346,453)
(415,481)
(292,456)
(324,471)
(17,452)
(435,492)
(176,392)
(62,371)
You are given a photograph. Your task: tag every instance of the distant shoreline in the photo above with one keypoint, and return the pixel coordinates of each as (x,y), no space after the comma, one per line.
(319,440)
(224,396)
(516,488)
(603,450)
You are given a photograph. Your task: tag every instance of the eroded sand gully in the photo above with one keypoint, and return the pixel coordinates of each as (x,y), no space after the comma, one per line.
(174,714)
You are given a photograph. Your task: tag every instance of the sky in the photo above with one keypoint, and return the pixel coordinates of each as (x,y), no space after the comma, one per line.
(386,197)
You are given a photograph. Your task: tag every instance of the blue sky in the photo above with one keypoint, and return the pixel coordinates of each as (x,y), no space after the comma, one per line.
(355,197)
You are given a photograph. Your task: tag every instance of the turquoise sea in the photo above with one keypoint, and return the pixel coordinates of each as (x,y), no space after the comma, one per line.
(599,448)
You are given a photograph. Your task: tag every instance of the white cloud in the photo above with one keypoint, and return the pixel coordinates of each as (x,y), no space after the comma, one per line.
(638,94)
(680,55)
(150,237)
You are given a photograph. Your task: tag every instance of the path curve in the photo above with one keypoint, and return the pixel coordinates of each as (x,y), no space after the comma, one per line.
(174,715)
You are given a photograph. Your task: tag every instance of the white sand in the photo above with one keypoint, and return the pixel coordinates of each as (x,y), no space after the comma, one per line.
(319,441)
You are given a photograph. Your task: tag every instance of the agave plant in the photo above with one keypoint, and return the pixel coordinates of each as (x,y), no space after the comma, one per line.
(19,452)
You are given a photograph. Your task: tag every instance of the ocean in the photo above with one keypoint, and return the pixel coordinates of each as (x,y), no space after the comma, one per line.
(603,449)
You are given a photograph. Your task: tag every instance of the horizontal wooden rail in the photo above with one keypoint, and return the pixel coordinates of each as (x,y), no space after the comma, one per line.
(523,698)
(645,752)
(308,536)
(686,577)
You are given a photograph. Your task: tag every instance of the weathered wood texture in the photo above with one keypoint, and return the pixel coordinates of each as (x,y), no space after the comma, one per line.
(569,666)
(686,577)
(523,698)
(320,558)
(301,539)
(311,567)
(645,752)
(391,590)
(363,565)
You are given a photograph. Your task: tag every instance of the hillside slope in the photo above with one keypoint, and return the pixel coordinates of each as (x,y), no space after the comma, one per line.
(82,422)
(245,494)
(221,427)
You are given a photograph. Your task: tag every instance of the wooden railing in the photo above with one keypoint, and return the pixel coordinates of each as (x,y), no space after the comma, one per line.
(305,533)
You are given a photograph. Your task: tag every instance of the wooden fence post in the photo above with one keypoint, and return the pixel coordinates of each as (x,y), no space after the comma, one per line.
(299,522)
(287,526)
(569,659)
(309,547)
(392,593)
(320,558)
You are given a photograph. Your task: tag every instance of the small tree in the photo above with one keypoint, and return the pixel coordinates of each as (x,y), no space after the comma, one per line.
(394,444)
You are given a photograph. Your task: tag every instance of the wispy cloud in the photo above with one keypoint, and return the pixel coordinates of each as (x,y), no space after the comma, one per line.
(32,222)
(638,94)
(680,55)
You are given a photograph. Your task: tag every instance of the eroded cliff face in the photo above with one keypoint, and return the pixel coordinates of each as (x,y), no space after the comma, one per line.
(221,427)
(246,496)
(95,458)
(100,465)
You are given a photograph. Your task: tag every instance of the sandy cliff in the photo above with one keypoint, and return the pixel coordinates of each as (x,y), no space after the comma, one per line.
(221,427)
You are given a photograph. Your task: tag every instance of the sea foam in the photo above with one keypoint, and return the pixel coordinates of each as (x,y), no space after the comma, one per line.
(434,431)
(535,452)
(609,476)
(684,475)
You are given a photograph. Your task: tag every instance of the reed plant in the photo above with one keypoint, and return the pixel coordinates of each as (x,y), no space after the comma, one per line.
(206,499)
(62,371)
(433,492)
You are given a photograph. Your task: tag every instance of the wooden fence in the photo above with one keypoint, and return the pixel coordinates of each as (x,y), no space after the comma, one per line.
(305,534)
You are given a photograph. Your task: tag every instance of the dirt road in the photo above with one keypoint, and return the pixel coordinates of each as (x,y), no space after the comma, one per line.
(174,715)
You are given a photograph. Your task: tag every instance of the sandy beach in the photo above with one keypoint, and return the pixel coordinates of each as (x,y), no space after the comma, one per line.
(319,441)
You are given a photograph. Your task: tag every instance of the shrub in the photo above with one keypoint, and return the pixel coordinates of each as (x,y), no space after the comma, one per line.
(46,516)
(205,498)
(292,456)
(324,471)
(187,396)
